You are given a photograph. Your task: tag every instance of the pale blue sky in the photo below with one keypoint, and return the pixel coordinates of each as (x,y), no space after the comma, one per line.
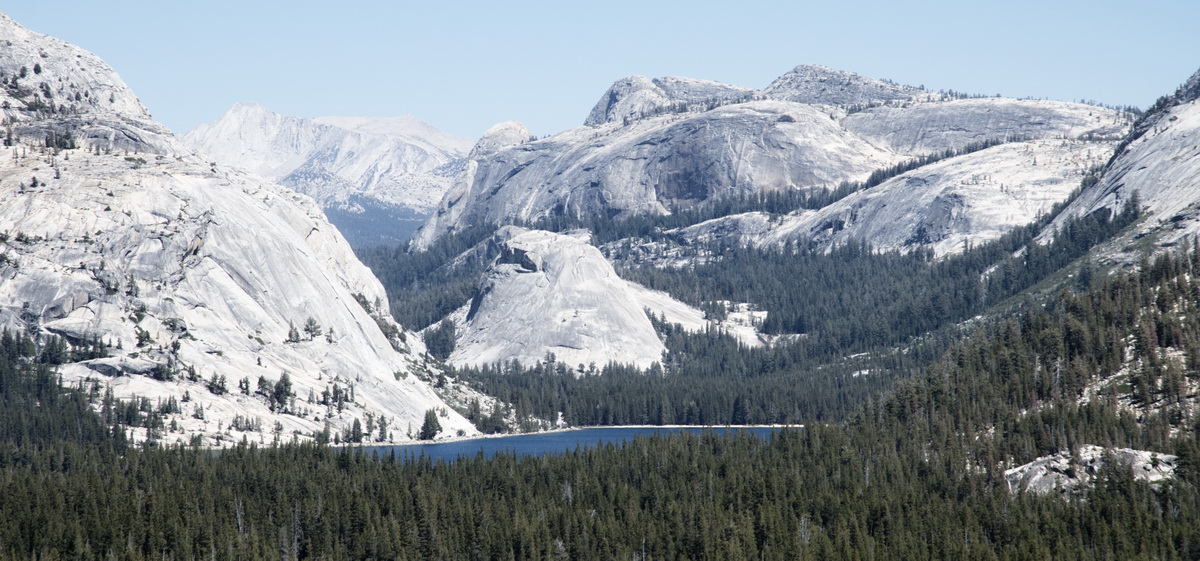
(463,66)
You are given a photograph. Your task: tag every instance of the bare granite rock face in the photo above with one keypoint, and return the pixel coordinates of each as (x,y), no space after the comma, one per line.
(1159,165)
(636,97)
(555,294)
(955,203)
(548,295)
(932,127)
(811,83)
(199,278)
(55,93)
(1074,474)
(653,164)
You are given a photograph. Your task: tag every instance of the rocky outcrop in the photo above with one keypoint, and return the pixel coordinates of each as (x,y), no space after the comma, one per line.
(810,83)
(552,294)
(638,97)
(1074,474)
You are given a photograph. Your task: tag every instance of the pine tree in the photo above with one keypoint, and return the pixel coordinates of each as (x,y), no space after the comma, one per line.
(431,427)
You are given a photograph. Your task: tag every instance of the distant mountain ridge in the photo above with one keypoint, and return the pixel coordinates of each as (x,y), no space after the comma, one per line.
(358,167)
(652,146)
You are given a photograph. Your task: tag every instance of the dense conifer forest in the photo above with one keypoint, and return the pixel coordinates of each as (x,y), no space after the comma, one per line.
(917,473)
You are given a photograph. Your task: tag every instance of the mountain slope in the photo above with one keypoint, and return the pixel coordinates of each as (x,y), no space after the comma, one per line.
(355,166)
(936,126)
(194,276)
(1159,164)
(60,95)
(944,206)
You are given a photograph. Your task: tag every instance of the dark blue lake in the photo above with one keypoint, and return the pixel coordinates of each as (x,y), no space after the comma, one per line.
(552,442)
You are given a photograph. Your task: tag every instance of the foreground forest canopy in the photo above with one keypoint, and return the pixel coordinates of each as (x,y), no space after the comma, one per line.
(916,474)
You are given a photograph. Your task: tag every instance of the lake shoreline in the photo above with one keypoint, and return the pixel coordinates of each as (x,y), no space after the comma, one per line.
(464,439)
(557,441)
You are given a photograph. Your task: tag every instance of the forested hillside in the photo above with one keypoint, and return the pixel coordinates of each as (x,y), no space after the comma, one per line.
(851,321)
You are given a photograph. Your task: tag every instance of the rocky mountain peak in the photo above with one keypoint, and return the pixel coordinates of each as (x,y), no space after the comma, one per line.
(248,110)
(500,136)
(39,71)
(55,93)
(616,103)
(812,83)
(633,97)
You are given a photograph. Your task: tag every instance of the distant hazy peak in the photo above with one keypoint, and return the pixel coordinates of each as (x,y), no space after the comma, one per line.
(634,96)
(243,113)
(810,83)
(355,166)
(406,127)
(247,108)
